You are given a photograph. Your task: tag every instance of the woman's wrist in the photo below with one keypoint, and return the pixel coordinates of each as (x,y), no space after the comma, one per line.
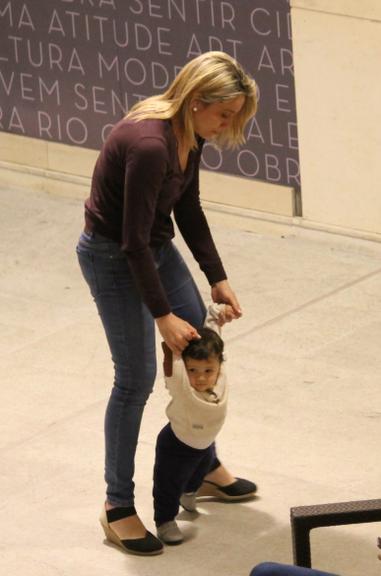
(218,283)
(163,319)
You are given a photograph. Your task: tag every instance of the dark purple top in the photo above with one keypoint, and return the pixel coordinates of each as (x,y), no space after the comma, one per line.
(137,182)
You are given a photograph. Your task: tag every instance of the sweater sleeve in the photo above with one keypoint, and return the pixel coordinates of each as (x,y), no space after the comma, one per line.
(178,379)
(145,171)
(212,316)
(194,228)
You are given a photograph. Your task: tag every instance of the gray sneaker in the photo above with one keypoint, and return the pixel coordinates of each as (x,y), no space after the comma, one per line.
(188,501)
(169,533)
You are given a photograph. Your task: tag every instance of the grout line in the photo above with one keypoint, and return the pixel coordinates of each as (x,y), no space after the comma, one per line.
(305,305)
(338,14)
(52,425)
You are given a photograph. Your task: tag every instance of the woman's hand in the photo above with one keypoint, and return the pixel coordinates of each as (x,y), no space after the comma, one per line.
(223,294)
(176,332)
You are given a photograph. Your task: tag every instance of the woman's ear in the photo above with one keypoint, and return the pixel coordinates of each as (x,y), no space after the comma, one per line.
(195,105)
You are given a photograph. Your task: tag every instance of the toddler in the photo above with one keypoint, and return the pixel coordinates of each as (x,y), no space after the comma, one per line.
(197,384)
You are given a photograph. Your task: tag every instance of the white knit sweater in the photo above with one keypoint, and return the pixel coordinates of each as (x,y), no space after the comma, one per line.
(196,418)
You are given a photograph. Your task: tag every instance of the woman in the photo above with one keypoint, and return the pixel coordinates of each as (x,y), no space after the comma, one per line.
(148,167)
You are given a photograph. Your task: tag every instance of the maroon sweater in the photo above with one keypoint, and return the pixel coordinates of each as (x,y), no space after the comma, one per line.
(137,182)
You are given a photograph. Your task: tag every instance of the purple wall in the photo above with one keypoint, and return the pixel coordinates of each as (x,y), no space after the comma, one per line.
(70,68)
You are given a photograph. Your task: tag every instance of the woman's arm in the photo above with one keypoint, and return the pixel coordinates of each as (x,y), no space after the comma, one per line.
(194,228)
(145,170)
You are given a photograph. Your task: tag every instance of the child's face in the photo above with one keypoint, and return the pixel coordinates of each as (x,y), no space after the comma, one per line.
(202,374)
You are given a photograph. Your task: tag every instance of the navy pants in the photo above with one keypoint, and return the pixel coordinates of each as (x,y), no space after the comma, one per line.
(178,468)
(274,569)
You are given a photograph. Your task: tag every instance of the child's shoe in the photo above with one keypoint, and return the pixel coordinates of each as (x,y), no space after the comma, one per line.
(169,533)
(188,501)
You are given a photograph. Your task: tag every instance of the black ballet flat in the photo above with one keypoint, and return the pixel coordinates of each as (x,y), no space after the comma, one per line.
(147,546)
(239,490)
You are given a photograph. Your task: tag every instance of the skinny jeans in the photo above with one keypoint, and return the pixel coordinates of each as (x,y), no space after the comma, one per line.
(130,332)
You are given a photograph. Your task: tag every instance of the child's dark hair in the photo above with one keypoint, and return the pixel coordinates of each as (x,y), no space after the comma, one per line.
(210,344)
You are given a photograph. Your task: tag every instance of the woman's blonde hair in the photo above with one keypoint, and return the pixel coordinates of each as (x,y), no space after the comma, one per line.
(211,77)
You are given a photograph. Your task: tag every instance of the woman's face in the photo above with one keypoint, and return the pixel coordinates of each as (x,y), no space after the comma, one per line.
(209,120)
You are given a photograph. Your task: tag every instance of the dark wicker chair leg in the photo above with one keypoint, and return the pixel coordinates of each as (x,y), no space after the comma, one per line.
(301,544)
(304,518)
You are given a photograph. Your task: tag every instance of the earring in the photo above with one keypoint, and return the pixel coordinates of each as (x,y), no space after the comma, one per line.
(194,109)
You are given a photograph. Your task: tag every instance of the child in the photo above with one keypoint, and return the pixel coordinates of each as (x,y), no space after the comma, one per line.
(197,384)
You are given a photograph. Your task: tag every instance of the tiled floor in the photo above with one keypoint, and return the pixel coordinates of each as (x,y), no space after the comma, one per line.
(305,404)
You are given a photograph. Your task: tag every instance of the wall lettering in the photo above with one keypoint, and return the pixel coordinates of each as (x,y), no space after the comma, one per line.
(70,69)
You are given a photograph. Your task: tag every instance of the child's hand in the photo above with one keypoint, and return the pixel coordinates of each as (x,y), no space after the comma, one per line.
(226,315)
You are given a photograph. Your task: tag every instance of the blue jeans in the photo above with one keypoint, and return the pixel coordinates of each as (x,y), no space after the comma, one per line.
(130,331)
(274,569)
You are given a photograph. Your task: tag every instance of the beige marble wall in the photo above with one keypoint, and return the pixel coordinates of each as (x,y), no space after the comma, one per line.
(48,166)
(337,52)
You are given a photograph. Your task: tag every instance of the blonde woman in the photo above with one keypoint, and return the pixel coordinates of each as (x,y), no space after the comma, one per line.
(147,169)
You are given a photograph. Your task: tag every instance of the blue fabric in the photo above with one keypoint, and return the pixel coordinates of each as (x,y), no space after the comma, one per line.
(130,331)
(274,569)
